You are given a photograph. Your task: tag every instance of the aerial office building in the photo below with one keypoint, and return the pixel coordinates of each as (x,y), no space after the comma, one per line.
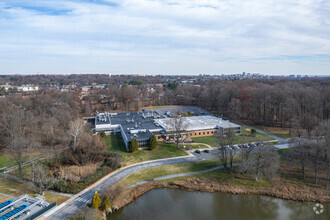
(141,125)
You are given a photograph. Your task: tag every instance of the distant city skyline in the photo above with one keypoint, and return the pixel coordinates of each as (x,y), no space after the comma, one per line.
(274,37)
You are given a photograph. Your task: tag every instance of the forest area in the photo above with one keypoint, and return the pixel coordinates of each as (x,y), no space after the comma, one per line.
(48,120)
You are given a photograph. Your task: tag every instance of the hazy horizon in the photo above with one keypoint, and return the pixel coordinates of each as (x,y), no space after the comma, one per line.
(187,37)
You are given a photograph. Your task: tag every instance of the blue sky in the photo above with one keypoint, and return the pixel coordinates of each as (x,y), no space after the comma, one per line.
(165,36)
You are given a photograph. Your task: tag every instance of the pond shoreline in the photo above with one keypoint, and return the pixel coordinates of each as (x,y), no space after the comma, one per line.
(287,192)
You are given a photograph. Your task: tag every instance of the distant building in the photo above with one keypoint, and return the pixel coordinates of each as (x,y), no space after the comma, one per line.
(27,88)
(6,87)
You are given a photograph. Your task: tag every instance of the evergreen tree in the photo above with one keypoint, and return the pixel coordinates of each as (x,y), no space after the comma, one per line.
(134,145)
(96,201)
(106,203)
(253,132)
(152,142)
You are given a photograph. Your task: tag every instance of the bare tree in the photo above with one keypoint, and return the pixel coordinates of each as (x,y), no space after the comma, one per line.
(50,132)
(301,152)
(178,125)
(17,148)
(17,123)
(263,162)
(42,179)
(235,109)
(230,135)
(327,162)
(232,153)
(221,143)
(76,128)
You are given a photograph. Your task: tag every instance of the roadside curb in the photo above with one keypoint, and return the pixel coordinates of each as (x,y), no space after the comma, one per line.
(74,197)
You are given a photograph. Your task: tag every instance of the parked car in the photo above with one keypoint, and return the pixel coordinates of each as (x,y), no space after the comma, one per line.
(206,151)
(197,151)
(235,147)
(227,147)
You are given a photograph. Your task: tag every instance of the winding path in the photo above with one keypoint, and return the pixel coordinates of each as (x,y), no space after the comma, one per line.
(79,200)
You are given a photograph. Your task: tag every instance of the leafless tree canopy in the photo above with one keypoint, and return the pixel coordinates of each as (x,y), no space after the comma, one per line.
(76,128)
(178,125)
(42,179)
(263,162)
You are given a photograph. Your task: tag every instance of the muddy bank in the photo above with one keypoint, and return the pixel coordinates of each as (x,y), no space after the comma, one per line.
(301,193)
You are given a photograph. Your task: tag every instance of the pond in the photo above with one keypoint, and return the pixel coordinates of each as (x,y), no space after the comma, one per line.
(173,204)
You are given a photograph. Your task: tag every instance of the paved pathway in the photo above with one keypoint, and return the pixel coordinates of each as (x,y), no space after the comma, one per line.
(78,201)
(209,146)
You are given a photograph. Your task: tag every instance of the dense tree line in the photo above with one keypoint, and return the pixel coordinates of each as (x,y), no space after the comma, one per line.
(295,104)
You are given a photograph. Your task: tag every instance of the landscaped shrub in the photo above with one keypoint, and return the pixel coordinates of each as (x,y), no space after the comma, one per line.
(102,134)
(106,203)
(134,145)
(253,132)
(113,162)
(61,185)
(152,142)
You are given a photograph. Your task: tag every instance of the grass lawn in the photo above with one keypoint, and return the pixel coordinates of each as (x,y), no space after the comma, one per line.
(244,137)
(278,131)
(6,160)
(115,144)
(16,189)
(154,172)
(217,175)
(235,179)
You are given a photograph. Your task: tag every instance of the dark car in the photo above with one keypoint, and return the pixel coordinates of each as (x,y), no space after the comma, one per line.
(206,151)
(197,151)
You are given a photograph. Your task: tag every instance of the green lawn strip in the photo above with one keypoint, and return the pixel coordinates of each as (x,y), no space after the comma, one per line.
(278,131)
(16,189)
(220,176)
(115,144)
(154,172)
(243,138)
(7,160)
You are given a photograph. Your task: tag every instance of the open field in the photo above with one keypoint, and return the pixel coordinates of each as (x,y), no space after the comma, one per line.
(154,172)
(16,189)
(116,144)
(278,131)
(245,137)
(217,175)
(6,161)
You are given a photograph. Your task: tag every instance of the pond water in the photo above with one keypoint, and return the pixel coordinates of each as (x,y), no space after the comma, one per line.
(174,204)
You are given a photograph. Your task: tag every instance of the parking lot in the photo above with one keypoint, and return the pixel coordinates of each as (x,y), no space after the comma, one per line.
(207,154)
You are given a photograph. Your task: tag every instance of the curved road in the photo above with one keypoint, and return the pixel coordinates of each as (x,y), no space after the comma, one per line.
(78,201)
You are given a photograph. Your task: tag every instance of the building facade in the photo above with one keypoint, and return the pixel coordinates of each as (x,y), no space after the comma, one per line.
(141,125)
